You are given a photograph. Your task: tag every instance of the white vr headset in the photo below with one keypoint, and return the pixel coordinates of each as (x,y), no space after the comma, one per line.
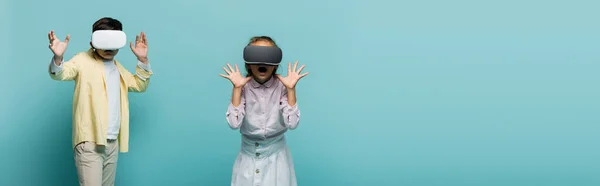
(109,39)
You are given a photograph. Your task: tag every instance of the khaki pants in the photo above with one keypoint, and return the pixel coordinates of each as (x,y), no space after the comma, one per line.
(96,165)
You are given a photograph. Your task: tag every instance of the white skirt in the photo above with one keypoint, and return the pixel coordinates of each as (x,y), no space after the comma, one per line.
(264,163)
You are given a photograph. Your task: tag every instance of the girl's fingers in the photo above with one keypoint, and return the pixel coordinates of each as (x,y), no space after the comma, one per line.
(230,68)
(301,67)
(225,69)
(295,66)
(301,76)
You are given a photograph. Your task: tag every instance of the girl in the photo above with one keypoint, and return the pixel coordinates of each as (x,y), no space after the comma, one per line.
(263,106)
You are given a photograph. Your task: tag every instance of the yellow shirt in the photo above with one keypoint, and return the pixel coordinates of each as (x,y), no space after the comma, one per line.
(90,102)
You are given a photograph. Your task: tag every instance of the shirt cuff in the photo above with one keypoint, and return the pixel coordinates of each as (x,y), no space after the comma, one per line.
(146,67)
(291,109)
(234,108)
(56,68)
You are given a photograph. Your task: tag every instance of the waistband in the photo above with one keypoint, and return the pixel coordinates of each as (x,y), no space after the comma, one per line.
(263,148)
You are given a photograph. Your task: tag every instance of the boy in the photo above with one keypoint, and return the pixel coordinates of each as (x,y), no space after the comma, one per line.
(100,101)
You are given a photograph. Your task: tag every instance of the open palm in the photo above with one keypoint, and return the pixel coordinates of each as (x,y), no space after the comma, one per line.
(141,46)
(58,47)
(293,76)
(235,76)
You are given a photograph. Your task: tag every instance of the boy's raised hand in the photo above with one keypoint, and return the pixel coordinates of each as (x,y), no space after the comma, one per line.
(140,50)
(235,76)
(293,76)
(58,47)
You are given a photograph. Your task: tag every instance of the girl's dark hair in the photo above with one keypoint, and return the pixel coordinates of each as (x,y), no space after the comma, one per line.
(257,39)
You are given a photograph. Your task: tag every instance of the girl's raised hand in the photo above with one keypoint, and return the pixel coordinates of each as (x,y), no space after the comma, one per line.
(293,76)
(235,76)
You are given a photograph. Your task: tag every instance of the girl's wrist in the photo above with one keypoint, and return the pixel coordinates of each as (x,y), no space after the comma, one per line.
(237,90)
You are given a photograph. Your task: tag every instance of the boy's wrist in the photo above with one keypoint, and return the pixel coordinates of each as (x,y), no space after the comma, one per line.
(57,60)
(143,60)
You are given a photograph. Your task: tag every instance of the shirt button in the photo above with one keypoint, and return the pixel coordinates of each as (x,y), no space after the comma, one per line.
(257,171)
(256,144)
(257,154)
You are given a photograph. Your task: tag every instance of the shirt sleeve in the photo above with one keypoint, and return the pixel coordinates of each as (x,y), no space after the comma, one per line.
(56,68)
(66,71)
(145,67)
(291,114)
(235,115)
(140,80)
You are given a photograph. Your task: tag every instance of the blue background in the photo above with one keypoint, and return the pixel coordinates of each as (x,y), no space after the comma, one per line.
(419,93)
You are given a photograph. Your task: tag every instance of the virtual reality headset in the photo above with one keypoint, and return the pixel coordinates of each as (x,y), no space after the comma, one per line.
(109,39)
(262,55)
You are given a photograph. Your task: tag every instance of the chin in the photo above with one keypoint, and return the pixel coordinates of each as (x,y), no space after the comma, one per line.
(261,78)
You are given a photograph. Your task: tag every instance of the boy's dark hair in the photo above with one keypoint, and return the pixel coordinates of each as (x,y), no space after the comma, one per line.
(107,23)
(257,39)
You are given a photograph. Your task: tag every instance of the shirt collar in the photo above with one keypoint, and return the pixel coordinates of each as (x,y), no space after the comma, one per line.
(267,84)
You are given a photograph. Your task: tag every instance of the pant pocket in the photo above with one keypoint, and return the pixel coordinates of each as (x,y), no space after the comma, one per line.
(85,147)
